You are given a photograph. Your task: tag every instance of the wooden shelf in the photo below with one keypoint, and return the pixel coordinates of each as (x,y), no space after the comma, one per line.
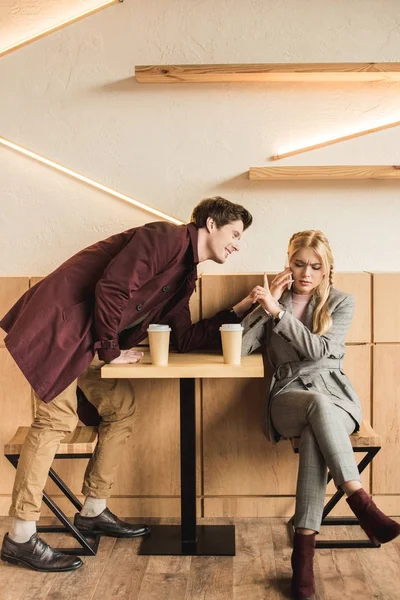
(337,172)
(275,72)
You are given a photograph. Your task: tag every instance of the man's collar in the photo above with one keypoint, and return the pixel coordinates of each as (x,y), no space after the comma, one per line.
(194,236)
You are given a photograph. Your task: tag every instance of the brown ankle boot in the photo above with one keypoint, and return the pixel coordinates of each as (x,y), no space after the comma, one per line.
(302,565)
(377,526)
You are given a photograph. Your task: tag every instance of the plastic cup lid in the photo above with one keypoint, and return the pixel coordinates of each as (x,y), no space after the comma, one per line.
(156,327)
(231,327)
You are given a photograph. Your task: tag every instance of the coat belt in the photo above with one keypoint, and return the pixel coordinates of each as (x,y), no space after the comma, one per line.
(294,369)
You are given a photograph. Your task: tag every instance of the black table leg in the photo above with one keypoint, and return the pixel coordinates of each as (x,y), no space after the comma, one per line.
(189,538)
(188,460)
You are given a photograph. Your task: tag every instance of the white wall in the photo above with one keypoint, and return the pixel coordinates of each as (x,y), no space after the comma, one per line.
(72,97)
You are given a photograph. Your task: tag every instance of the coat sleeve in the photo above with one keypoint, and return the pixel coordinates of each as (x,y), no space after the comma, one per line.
(311,345)
(203,335)
(141,259)
(254,330)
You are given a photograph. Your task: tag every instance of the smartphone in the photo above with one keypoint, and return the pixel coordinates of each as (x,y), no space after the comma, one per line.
(291,281)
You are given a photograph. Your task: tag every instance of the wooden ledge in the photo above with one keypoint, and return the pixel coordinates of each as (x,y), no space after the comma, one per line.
(364,438)
(275,72)
(324,172)
(81,441)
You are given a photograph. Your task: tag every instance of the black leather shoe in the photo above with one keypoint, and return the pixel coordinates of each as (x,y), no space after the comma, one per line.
(108,524)
(37,555)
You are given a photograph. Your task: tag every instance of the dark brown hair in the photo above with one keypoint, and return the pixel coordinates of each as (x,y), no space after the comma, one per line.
(222,211)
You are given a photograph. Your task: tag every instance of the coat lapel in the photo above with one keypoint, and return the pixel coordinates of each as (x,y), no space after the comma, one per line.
(308,314)
(286,301)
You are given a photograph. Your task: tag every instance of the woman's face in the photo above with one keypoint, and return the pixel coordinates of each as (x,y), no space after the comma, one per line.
(307,270)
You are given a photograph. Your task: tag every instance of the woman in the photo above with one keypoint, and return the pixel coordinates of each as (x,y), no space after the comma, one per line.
(304,331)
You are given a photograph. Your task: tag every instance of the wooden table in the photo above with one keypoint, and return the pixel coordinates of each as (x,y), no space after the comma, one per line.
(188,538)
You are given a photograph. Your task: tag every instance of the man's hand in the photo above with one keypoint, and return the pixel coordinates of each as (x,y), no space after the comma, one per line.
(244,305)
(128,357)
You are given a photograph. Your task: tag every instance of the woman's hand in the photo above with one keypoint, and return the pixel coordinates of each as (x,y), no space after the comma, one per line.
(264,297)
(128,357)
(280,283)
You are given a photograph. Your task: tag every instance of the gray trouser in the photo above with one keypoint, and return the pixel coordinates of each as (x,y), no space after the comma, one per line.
(324,430)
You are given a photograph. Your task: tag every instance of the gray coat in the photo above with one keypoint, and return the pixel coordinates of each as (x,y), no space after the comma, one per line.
(296,354)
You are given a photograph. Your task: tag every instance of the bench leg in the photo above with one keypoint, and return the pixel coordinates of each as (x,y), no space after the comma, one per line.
(370,453)
(87,547)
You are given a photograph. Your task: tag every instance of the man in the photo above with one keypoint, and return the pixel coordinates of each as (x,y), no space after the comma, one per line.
(93,309)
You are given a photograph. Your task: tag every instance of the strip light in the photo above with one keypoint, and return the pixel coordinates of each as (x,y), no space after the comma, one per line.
(95,184)
(335,140)
(36,36)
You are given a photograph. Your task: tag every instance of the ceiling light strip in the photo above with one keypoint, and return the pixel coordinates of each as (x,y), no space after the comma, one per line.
(41,34)
(91,182)
(335,140)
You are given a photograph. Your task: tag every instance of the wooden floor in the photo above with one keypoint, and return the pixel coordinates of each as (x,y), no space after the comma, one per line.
(259,571)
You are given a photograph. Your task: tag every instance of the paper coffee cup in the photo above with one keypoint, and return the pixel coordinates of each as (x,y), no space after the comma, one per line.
(231,337)
(159,343)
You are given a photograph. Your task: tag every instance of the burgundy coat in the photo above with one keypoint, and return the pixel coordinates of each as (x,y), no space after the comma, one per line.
(88,303)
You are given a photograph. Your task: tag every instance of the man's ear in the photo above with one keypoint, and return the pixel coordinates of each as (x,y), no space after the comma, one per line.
(210,224)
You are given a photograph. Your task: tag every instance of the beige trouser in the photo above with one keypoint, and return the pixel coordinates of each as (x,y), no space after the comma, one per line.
(115,402)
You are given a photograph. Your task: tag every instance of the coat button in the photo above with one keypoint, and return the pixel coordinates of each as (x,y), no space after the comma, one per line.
(139,307)
(165,288)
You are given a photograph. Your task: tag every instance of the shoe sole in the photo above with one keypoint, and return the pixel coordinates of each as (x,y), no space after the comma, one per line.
(17,561)
(110,534)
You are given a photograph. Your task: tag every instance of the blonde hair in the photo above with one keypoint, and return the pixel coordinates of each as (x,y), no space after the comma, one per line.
(317,241)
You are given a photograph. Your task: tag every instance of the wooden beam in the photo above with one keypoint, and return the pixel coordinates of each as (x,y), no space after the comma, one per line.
(277,72)
(53,28)
(325,172)
(344,138)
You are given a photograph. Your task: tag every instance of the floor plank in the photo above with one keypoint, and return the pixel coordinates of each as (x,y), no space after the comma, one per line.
(165,578)
(210,578)
(340,570)
(19,583)
(82,584)
(124,572)
(283,550)
(381,568)
(261,569)
(396,542)
(254,569)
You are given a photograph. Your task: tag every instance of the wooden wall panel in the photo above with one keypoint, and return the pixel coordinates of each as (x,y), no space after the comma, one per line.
(283,506)
(357,366)
(15,410)
(145,507)
(223,291)
(11,289)
(239,471)
(359,286)
(150,464)
(386,418)
(238,459)
(237,456)
(386,314)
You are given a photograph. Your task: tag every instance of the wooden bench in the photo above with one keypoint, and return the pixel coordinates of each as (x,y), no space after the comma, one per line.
(365,440)
(78,444)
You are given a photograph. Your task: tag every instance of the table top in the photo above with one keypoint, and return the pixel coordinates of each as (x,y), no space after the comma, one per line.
(191,365)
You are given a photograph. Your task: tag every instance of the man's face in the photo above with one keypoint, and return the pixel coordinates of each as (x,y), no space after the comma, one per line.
(223,241)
